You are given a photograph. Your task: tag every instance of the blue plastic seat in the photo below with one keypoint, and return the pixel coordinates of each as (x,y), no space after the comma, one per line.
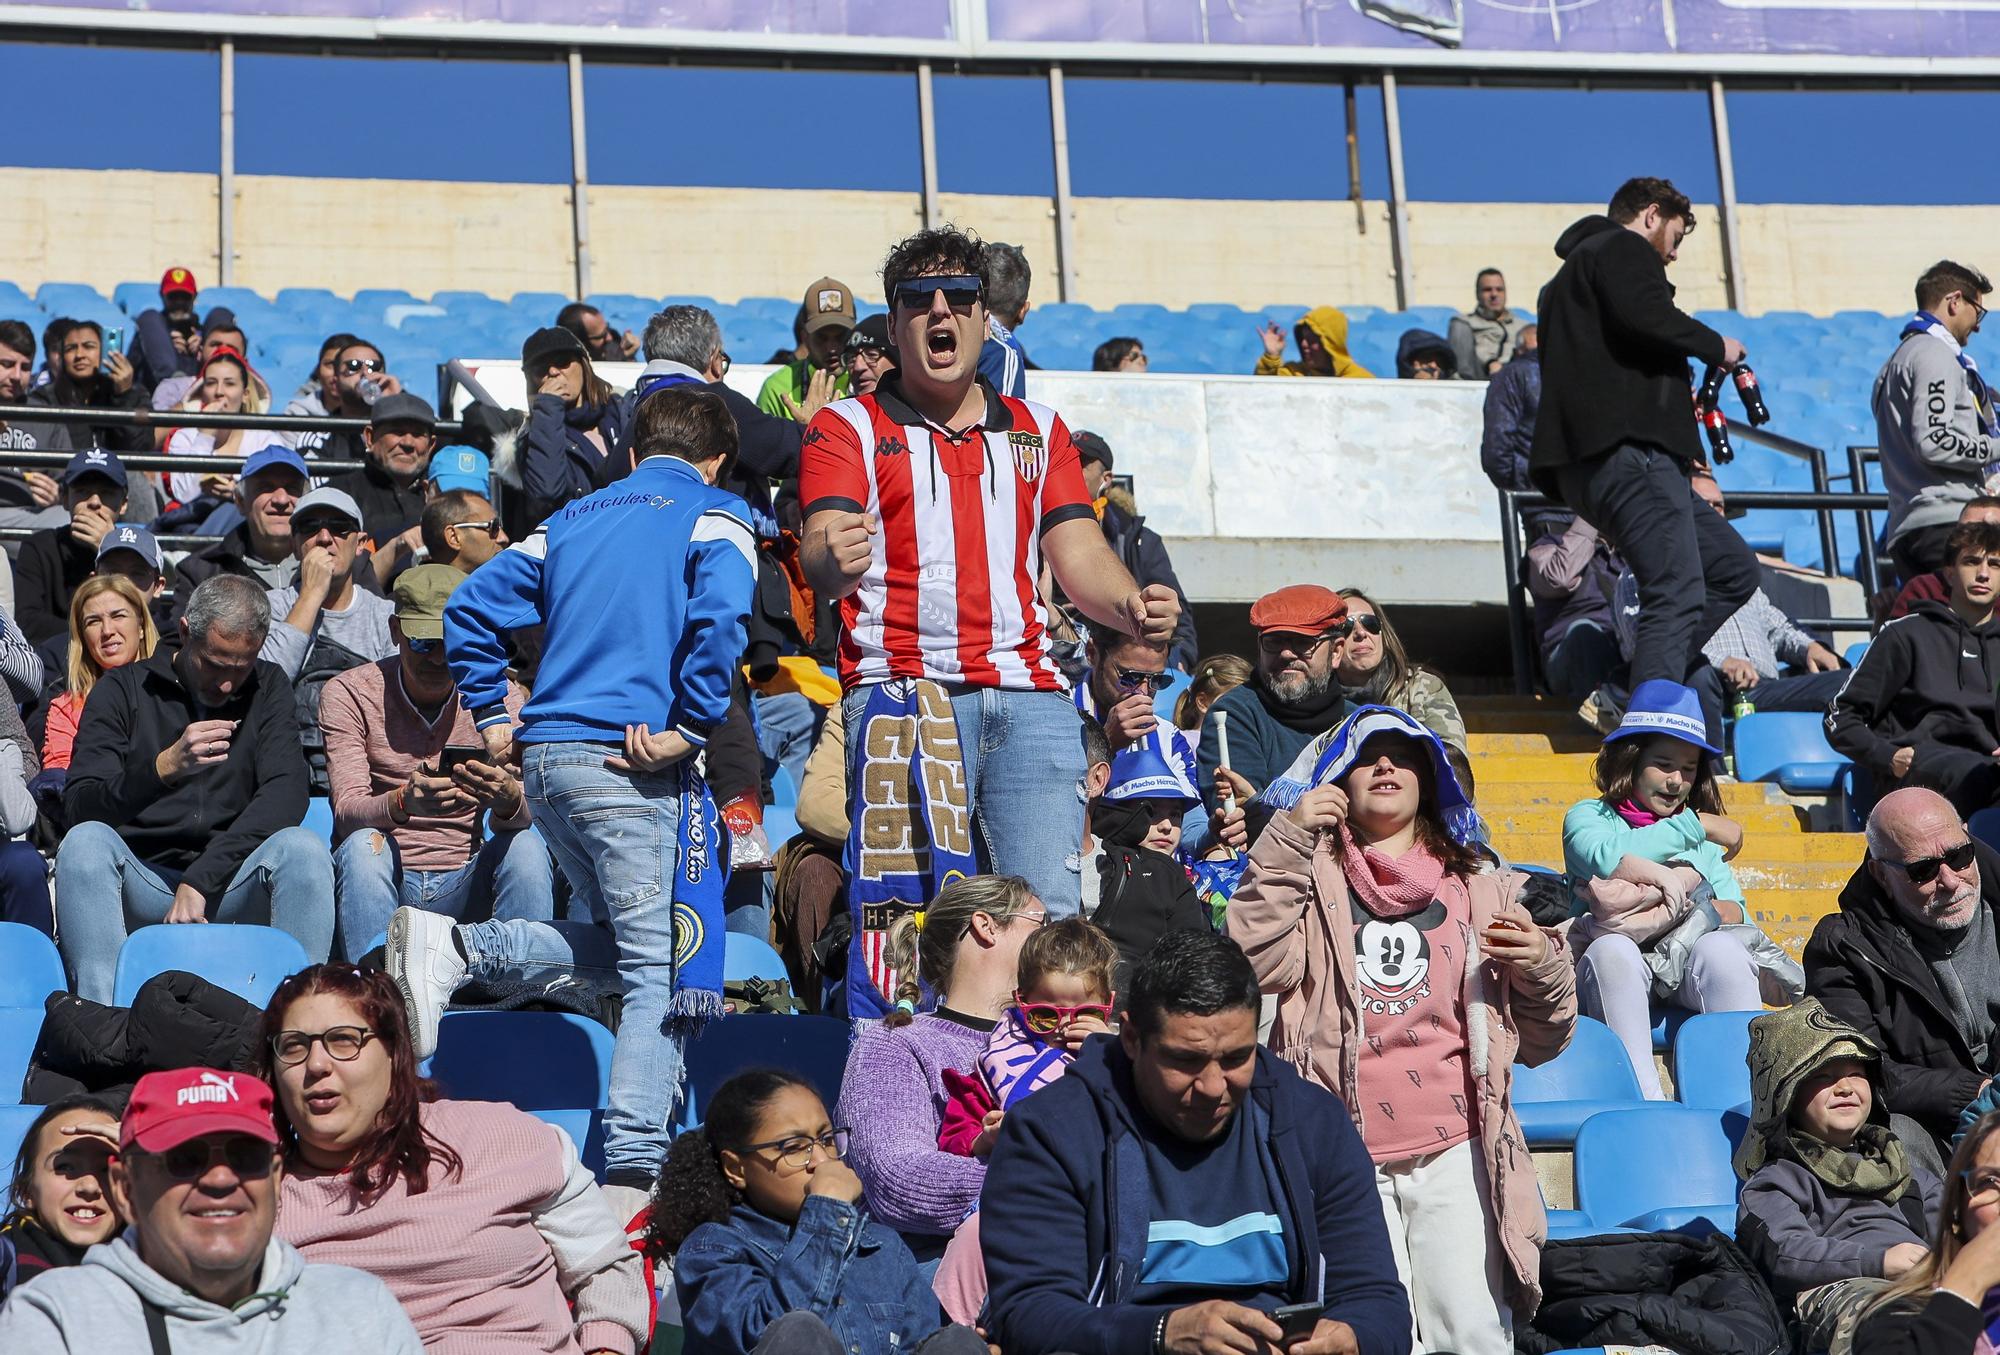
(71,298)
(533,1060)
(14,1122)
(751,957)
(1659,1167)
(319,817)
(133,297)
(249,961)
(1711,1060)
(1984,825)
(30,966)
(1169,696)
(19,1028)
(781,824)
(814,1047)
(1592,1075)
(1855,653)
(1788,747)
(784,790)
(586,1130)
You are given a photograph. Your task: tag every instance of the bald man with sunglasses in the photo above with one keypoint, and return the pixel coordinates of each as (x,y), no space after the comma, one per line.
(1912,962)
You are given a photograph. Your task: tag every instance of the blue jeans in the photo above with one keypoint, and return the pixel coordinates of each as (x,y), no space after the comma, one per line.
(510,876)
(103,891)
(787,727)
(1023,754)
(616,836)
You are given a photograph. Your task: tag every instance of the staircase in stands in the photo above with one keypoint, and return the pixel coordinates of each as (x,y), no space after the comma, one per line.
(1532,762)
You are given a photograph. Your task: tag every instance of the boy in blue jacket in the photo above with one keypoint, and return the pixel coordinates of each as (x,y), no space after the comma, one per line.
(643,590)
(1182,1186)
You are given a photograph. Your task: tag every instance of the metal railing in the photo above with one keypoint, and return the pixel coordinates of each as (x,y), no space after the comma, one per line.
(1520,606)
(182,418)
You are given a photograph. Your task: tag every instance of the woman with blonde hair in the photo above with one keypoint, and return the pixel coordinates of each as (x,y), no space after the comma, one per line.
(1214,675)
(110,625)
(965,948)
(1949,1302)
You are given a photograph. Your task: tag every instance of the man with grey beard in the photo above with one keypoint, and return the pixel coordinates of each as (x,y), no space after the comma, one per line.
(1911,961)
(1292,699)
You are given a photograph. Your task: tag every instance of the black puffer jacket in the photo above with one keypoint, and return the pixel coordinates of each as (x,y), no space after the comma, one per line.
(1697,1296)
(1928,677)
(1863,965)
(1142,894)
(176,1020)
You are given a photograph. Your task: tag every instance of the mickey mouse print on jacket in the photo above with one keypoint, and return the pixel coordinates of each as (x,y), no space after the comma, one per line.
(1412,1078)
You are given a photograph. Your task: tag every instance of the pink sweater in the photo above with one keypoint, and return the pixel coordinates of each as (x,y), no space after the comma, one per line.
(478,1261)
(374,738)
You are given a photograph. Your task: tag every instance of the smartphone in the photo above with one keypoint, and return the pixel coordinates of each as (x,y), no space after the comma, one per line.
(114,341)
(1298,1320)
(454,758)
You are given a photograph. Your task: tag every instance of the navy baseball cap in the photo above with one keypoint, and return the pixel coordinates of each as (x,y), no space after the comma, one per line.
(131,536)
(94,461)
(275,455)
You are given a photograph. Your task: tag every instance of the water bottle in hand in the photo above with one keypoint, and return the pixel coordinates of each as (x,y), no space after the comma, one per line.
(371,390)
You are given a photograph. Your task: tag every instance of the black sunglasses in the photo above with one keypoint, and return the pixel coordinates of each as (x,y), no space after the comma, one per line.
(1925,869)
(1368,621)
(248,1158)
(353,365)
(916,293)
(1132,680)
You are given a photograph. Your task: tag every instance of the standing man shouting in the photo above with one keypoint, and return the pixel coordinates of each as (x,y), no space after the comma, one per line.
(1616,438)
(931,504)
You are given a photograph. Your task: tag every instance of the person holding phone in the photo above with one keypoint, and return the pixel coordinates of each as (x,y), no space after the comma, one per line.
(91,373)
(1409,982)
(412,785)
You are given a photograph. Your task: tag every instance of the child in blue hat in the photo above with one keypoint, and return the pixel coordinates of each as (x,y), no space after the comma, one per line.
(1143,890)
(1659,913)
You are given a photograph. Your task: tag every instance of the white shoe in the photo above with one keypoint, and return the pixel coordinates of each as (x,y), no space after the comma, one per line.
(427,969)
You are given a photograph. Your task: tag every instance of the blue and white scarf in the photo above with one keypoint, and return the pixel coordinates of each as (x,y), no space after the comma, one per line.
(1923,322)
(910,825)
(703,869)
(1333,754)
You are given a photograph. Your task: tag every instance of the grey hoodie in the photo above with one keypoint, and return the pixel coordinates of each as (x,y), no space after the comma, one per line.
(95,1309)
(1934,453)
(1803,1233)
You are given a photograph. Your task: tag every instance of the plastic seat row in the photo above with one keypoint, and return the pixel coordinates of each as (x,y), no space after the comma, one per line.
(1594,1075)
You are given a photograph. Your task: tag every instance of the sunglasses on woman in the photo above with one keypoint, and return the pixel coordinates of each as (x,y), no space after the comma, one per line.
(1368,621)
(1925,869)
(1046,1018)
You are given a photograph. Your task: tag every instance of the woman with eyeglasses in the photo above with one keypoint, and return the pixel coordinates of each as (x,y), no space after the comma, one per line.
(226,385)
(1949,1303)
(59,1206)
(1409,982)
(966,948)
(1375,670)
(479,1217)
(773,1251)
(577,438)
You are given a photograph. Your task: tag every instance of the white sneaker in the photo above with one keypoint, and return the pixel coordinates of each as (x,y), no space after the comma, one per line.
(427,970)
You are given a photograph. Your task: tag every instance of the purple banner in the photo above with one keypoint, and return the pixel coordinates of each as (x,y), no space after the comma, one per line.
(1913,29)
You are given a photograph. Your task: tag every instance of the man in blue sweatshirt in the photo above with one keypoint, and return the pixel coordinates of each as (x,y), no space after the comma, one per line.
(643,589)
(1180,1186)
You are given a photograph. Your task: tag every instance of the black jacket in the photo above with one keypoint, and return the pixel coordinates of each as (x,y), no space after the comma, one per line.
(1614,353)
(767,449)
(176,1020)
(387,508)
(560,464)
(1699,1296)
(1142,894)
(99,392)
(1863,965)
(1145,555)
(206,824)
(224,557)
(51,565)
(1927,678)
(1945,1325)
(1416,343)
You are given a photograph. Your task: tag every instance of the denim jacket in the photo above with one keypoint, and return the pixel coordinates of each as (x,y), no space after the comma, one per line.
(737,1278)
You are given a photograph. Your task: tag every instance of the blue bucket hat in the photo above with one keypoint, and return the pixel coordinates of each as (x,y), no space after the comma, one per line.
(1158,767)
(1334,754)
(1662,707)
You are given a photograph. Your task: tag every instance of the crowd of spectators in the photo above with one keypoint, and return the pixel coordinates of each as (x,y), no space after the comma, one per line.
(1184,1032)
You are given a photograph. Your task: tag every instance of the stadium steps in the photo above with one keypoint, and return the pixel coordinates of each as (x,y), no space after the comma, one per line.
(1532,761)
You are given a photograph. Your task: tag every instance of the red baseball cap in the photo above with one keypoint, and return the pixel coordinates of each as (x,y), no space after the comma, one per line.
(168,1109)
(178,279)
(1302,609)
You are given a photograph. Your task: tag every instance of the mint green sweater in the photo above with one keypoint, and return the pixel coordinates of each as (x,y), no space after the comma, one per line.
(1595,839)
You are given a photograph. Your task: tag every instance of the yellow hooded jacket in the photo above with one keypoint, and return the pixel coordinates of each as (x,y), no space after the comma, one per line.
(1330,323)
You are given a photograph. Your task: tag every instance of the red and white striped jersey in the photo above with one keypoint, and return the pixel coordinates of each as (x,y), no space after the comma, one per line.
(950,594)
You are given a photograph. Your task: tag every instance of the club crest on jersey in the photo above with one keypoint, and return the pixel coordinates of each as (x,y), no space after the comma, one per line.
(1031,458)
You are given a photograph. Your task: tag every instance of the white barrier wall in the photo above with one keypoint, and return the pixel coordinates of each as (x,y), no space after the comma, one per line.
(1256,482)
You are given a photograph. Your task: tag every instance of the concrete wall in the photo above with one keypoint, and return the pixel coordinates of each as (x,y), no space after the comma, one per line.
(110,227)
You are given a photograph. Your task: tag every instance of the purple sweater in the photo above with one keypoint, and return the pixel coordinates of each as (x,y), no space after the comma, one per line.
(893,1100)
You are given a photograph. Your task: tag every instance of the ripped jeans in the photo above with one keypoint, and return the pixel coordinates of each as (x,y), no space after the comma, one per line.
(510,876)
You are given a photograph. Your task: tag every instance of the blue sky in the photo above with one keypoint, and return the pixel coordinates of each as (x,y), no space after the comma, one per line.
(509,122)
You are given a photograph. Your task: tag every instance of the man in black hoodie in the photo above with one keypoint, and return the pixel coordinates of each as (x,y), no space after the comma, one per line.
(1919,711)
(186,790)
(1615,435)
